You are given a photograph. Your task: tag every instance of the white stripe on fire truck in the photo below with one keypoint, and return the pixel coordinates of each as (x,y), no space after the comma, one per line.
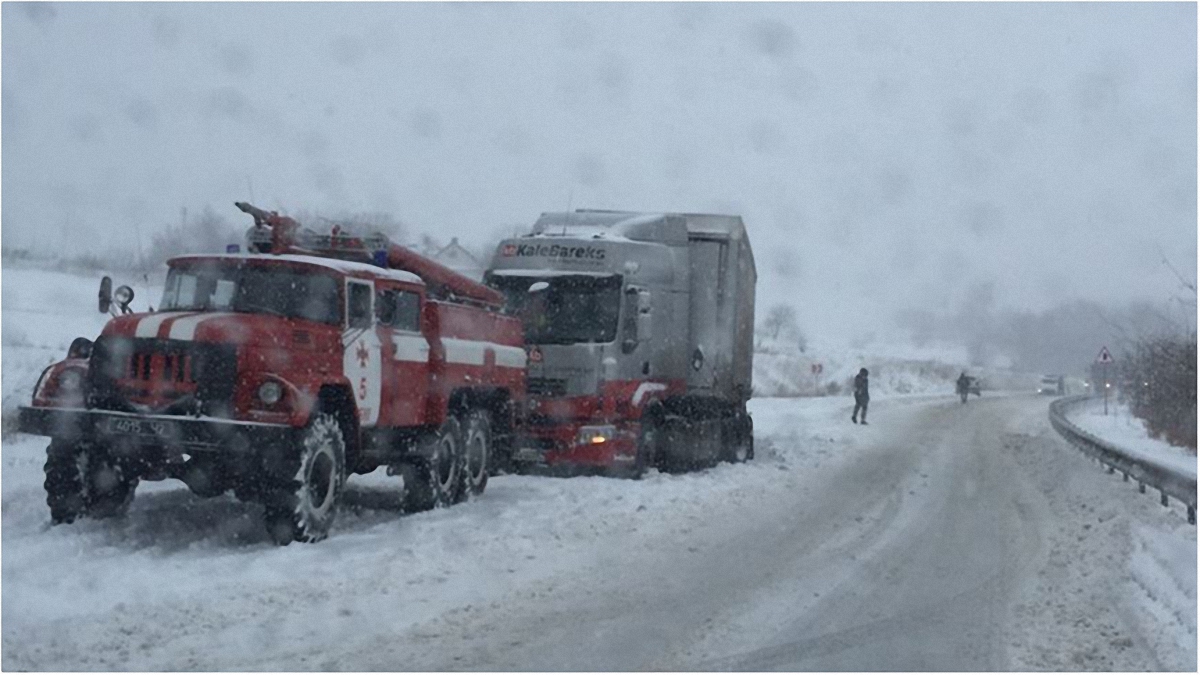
(411,348)
(148,326)
(510,357)
(185,328)
(471,352)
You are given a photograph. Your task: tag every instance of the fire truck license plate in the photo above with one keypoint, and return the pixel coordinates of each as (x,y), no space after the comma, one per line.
(529,455)
(125,425)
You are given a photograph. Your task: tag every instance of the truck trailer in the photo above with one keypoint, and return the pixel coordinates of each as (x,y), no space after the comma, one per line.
(639,331)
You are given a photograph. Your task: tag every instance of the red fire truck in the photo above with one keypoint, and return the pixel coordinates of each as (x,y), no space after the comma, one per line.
(278,372)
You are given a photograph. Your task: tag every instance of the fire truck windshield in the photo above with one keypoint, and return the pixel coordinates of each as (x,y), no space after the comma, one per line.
(253,289)
(570,309)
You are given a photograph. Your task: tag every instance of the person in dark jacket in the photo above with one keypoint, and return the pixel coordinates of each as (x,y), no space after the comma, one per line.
(861,396)
(963,386)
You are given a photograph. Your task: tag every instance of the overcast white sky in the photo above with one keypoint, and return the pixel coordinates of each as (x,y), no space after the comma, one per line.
(884,156)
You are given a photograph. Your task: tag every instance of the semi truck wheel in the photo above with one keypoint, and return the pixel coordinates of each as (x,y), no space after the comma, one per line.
(647,450)
(304,508)
(477,451)
(438,474)
(65,487)
(739,439)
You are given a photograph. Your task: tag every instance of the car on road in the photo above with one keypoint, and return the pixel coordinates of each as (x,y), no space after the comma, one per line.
(1052,385)
(975,386)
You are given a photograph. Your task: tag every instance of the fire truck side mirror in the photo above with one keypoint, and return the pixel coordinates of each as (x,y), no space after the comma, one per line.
(105,295)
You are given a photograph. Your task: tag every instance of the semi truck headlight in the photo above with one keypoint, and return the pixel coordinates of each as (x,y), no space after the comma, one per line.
(270,392)
(596,434)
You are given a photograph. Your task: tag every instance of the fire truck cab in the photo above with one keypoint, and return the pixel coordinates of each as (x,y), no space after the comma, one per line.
(276,376)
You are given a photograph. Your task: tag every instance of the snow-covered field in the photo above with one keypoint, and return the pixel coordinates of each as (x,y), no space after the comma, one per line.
(781,369)
(940,537)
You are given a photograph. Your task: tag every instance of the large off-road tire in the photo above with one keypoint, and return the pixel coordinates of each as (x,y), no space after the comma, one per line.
(438,474)
(66,493)
(82,479)
(738,439)
(304,508)
(110,485)
(477,451)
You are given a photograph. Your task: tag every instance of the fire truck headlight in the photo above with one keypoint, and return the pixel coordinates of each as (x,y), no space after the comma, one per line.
(596,434)
(270,392)
(70,382)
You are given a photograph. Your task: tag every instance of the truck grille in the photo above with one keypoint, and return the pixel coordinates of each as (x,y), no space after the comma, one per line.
(169,376)
(546,386)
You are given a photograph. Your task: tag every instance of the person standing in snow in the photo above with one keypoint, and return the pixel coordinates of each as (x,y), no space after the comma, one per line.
(861,396)
(963,386)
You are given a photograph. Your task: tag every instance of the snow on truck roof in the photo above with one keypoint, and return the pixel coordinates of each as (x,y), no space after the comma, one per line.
(341,266)
(622,224)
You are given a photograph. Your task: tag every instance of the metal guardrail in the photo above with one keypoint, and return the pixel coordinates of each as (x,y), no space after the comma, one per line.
(1168,481)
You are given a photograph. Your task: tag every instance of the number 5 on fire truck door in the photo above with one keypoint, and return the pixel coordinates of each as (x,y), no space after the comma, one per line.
(361,360)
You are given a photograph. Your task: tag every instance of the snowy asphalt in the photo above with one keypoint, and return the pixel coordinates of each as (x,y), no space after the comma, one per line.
(941,537)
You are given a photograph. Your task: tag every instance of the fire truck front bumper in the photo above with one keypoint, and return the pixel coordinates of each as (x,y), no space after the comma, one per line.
(126,429)
(577,444)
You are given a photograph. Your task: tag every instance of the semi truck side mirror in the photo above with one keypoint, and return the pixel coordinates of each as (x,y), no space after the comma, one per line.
(645,316)
(644,326)
(638,318)
(643,301)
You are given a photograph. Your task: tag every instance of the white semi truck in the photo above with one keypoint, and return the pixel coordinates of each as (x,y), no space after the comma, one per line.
(639,330)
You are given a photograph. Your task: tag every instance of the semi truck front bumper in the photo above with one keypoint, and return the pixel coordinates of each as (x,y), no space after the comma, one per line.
(153,430)
(567,444)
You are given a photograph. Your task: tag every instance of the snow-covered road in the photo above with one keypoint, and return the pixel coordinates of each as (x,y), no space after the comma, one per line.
(940,537)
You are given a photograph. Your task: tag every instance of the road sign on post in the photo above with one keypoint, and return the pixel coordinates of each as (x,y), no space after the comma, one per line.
(1104,358)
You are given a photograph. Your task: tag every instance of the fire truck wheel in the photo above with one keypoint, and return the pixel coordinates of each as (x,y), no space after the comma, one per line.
(65,492)
(438,473)
(477,450)
(110,485)
(304,508)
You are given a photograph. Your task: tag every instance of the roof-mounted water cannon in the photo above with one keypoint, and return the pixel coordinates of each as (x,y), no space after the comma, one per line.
(271,233)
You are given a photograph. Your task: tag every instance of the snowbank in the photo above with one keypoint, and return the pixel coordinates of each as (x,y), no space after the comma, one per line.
(1127,432)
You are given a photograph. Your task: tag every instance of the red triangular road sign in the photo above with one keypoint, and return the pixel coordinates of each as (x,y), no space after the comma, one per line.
(1104,356)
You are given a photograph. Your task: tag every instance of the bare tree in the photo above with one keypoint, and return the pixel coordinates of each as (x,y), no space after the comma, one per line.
(210,232)
(1158,379)
(780,321)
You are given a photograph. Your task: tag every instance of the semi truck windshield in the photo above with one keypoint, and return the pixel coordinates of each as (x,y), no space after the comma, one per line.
(570,309)
(253,289)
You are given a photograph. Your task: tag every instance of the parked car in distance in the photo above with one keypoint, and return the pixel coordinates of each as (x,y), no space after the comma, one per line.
(1052,385)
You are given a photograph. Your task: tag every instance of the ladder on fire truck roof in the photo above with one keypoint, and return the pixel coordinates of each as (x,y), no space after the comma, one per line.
(273,233)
